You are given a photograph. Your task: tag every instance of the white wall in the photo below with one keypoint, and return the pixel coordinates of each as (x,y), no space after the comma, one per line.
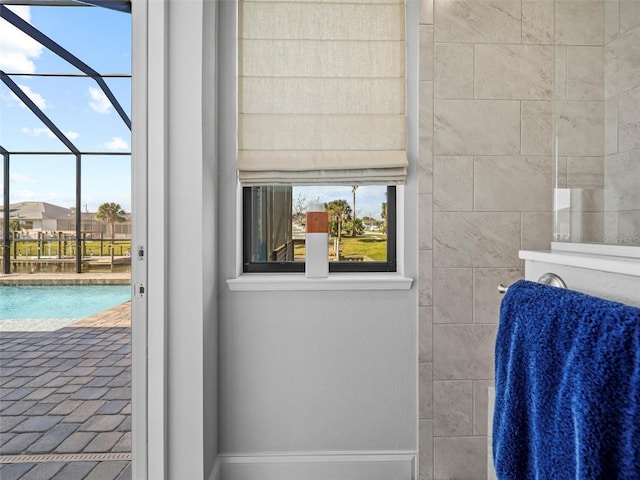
(185,210)
(319,371)
(309,371)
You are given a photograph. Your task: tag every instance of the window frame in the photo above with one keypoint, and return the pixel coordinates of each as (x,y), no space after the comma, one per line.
(390,265)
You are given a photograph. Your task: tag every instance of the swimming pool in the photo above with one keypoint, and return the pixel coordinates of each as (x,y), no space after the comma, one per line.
(68,302)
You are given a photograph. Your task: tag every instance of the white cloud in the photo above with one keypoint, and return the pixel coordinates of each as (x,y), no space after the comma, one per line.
(116,143)
(23,195)
(36,132)
(99,101)
(59,198)
(19,178)
(36,98)
(18,50)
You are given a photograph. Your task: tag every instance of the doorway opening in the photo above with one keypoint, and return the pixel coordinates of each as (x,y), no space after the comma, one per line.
(65,94)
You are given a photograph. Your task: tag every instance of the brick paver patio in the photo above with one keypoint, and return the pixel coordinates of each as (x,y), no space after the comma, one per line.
(65,400)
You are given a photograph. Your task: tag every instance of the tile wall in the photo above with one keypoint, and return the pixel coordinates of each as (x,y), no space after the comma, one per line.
(622,122)
(580,118)
(485,184)
(598,125)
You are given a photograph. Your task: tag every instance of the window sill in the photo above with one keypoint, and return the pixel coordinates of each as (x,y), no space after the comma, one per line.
(268,282)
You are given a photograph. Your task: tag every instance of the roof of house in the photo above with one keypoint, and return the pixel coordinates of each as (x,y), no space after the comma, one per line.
(37,211)
(47,211)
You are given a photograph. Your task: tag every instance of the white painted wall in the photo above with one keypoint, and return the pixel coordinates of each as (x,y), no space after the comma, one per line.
(317,372)
(185,271)
(309,371)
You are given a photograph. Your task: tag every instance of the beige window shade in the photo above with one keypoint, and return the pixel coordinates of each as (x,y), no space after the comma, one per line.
(321,92)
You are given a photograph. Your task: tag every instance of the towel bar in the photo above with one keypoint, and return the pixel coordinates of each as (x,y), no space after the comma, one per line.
(546,279)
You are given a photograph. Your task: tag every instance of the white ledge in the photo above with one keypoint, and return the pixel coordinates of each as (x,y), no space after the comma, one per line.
(605,263)
(265,282)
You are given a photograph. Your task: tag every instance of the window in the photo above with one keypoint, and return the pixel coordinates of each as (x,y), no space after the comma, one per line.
(360,240)
(327,110)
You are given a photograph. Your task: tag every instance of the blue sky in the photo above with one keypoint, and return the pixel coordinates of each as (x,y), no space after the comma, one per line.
(102,39)
(369,198)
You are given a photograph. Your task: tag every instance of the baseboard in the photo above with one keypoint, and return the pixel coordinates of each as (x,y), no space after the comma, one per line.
(304,466)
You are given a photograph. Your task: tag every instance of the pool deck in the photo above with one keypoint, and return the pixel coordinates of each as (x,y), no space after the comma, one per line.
(89,278)
(65,399)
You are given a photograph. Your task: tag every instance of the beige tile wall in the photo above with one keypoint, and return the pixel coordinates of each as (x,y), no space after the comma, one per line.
(485,182)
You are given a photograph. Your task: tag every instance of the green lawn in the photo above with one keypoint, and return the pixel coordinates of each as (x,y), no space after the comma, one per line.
(373,246)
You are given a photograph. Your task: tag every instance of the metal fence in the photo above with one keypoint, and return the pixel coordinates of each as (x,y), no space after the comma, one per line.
(57,253)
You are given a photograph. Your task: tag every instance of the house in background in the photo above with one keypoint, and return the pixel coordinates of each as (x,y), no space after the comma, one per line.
(40,216)
(45,217)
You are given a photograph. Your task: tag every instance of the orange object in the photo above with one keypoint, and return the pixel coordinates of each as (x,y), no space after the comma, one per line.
(317,222)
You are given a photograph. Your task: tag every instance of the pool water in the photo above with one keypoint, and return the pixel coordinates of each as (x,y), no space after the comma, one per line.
(69,302)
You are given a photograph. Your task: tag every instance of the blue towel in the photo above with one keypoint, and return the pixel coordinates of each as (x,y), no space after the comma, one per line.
(567,386)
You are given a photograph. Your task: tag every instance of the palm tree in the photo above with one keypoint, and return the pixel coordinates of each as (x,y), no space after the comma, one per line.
(339,211)
(15,225)
(353,191)
(111,213)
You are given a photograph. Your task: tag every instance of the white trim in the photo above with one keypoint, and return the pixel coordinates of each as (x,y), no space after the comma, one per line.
(154,87)
(320,466)
(266,282)
(269,282)
(239,229)
(139,157)
(597,249)
(400,230)
(603,263)
(407,245)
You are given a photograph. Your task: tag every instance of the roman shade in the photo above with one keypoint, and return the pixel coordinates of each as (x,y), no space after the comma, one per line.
(321,92)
